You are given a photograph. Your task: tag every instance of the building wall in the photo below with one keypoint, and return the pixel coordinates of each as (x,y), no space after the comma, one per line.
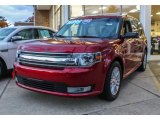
(42,18)
(51,17)
(23,24)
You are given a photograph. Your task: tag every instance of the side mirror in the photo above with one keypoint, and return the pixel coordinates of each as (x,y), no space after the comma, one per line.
(16,38)
(130,35)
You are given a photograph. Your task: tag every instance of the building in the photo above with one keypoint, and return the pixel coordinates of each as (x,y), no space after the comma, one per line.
(28,22)
(23,23)
(55,16)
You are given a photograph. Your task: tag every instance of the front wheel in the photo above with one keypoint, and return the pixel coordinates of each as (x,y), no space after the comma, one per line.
(1,69)
(113,82)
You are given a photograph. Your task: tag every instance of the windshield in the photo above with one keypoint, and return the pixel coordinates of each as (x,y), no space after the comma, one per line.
(4,32)
(91,28)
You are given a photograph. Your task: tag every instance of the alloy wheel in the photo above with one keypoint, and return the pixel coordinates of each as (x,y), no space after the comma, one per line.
(115,80)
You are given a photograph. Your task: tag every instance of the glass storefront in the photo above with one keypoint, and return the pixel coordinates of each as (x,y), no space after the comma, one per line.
(155,30)
(76,10)
(92,10)
(79,10)
(132,10)
(111,9)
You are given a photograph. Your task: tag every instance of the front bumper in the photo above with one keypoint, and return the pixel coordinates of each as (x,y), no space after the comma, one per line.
(68,77)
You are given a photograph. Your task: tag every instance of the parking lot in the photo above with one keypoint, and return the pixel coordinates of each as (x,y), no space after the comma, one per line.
(140,94)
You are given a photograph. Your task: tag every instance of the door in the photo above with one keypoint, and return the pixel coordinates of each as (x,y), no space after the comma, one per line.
(128,48)
(139,41)
(26,36)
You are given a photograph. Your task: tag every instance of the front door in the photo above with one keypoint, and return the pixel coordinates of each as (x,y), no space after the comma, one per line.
(27,36)
(129,49)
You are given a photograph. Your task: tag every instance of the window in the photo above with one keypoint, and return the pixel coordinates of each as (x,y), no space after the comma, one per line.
(26,34)
(98,28)
(134,24)
(4,32)
(132,10)
(110,8)
(93,10)
(140,29)
(79,10)
(42,33)
(127,27)
(76,11)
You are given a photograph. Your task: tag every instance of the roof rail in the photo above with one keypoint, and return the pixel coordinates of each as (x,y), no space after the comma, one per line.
(110,14)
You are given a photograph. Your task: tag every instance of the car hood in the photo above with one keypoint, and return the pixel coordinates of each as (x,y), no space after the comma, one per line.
(67,45)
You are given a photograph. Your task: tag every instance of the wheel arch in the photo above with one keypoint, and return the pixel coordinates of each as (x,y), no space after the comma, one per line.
(120,60)
(3,62)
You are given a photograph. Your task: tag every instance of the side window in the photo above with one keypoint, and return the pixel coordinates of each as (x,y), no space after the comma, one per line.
(25,34)
(140,29)
(127,27)
(36,35)
(43,34)
(134,24)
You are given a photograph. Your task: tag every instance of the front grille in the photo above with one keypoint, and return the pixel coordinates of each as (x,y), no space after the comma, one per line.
(42,59)
(42,85)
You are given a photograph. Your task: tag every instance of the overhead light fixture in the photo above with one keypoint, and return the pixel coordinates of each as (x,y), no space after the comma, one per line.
(94,12)
(138,7)
(124,13)
(133,10)
(158,13)
(151,15)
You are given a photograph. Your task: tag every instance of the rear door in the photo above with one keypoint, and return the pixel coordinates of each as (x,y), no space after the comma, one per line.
(44,33)
(27,36)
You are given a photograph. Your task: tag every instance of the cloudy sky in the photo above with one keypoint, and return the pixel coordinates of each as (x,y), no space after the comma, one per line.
(14,13)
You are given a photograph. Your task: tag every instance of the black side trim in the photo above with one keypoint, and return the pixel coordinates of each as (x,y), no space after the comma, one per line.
(5,50)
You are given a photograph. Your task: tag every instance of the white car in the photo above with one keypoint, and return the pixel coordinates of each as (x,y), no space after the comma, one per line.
(11,37)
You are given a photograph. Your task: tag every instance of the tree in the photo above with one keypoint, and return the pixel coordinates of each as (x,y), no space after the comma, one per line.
(2,18)
(30,19)
(3,22)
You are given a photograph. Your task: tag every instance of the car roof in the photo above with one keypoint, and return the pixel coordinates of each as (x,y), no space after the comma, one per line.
(100,16)
(107,15)
(26,27)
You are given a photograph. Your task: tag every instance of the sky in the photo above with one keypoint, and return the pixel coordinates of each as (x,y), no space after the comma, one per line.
(15,13)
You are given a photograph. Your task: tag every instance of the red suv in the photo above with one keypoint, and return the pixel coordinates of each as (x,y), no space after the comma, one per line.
(89,56)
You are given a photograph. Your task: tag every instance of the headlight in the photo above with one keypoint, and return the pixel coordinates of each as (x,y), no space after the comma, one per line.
(87,59)
(17,54)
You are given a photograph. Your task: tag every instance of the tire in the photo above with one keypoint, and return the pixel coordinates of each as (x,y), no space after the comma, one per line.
(144,62)
(2,70)
(108,93)
(151,52)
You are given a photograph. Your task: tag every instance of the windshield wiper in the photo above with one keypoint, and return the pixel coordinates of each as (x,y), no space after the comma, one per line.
(60,36)
(87,36)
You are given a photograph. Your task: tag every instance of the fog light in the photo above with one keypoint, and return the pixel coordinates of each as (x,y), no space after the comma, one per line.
(78,89)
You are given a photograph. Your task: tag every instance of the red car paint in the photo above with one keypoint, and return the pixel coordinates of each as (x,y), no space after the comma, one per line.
(129,52)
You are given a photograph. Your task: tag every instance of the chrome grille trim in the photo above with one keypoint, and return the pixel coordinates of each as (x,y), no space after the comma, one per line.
(43,59)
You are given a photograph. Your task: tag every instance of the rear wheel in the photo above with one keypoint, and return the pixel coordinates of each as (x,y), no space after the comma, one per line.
(113,82)
(144,62)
